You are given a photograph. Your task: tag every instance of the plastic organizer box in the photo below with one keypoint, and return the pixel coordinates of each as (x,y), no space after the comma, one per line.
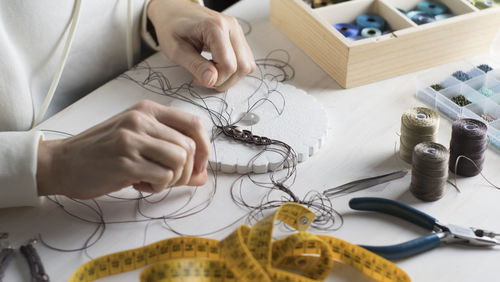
(469,90)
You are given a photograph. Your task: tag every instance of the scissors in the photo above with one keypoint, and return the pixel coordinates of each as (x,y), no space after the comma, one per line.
(363,183)
(447,233)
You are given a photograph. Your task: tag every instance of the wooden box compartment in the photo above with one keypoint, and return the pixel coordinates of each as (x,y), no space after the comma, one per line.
(408,48)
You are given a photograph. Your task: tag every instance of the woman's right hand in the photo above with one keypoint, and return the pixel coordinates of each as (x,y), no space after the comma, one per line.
(149,146)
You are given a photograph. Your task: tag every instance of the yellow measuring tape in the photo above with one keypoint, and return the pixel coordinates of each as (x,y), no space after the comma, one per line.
(248,254)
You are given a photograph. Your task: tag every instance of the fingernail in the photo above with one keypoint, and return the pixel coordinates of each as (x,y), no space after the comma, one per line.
(204,167)
(207,78)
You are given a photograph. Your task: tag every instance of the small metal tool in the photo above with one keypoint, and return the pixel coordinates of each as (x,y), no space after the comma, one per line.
(363,183)
(446,233)
(38,273)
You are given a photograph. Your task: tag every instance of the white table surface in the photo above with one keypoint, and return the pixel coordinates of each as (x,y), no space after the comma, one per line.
(364,124)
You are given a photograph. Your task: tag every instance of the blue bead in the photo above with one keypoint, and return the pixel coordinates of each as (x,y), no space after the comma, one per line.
(485,67)
(370,20)
(347,29)
(460,75)
(432,7)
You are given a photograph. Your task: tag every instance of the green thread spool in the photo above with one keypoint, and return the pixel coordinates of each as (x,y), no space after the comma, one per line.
(417,125)
(429,171)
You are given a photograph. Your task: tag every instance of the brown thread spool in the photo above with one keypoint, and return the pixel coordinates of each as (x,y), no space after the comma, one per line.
(469,138)
(417,125)
(429,171)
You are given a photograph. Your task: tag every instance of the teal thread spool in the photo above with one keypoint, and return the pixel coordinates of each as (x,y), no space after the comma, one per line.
(370,20)
(370,32)
(443,17)
(432,7)
(417,125)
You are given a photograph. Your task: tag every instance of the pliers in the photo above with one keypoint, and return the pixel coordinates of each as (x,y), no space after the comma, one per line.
(447,233)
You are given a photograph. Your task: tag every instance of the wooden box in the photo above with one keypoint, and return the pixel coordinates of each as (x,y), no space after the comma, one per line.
(410,47)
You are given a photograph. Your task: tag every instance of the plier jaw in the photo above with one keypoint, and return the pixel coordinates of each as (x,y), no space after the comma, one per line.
(448,233)
(467,235)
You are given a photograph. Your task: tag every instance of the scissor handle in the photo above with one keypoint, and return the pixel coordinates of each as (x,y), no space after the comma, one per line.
(408,248)
(393,208)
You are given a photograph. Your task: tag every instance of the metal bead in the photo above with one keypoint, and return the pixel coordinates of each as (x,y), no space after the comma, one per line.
(237,131)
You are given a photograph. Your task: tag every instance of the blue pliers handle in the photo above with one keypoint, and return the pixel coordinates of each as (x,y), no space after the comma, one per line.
(447,233)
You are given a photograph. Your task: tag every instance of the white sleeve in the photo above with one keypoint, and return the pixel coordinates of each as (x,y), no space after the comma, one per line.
(18,162)
(145,34)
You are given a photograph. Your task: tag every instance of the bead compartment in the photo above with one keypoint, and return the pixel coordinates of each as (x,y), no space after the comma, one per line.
(483,108)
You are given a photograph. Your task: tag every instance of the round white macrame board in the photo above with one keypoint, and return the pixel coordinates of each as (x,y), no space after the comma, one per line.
(302,124)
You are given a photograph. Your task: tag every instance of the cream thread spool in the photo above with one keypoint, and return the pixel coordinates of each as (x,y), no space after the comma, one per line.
(429,172)
(417,125)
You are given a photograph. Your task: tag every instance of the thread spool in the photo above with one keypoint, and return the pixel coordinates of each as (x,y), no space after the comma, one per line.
(432,7)
(370,32)
(429,171)
(443,17)
(420,17)
(469,138)
(347,29)
(417,125)
(355,38)
(370,20)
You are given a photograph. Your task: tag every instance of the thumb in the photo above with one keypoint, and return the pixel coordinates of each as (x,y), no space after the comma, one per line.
(204,71)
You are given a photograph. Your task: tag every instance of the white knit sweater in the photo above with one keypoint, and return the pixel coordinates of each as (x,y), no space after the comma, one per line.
(32,36)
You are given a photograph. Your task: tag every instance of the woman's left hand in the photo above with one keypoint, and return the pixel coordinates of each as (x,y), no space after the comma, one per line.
(184,29)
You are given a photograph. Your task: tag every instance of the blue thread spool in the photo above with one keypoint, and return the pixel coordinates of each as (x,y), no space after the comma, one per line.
(370,20)
(413,13)
(443,17)
(347,29)
(420,17)
(370,32)
(432,7)
(355,38)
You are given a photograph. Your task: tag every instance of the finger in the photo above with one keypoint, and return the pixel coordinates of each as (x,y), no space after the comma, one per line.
(185,54)
(148,173)
(223,55)
(154,128)
(244,57)
(164,133)
(142,121)
(143,187)
(198,178)
(169,156)
(184,123)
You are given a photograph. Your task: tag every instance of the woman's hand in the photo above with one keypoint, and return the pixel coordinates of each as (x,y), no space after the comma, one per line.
(184,29)
(149,146)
